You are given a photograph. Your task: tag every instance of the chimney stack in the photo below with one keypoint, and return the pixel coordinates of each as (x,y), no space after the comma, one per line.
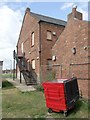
(74,9)
(75,14)
(27,10)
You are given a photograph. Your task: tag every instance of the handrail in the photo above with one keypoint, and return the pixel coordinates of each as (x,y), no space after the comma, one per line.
(27,73)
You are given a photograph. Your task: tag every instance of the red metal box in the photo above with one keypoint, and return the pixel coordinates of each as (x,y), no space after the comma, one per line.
(61,95)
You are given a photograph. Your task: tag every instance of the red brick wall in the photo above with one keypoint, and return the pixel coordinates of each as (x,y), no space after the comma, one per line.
(40,31)
(46,45)
(75,14)
(30,25)
(75,35)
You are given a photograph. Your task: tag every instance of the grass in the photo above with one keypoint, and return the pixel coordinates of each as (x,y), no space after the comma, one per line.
(24,105)
(8,75)
(39,88)
(16,104)
(6,84)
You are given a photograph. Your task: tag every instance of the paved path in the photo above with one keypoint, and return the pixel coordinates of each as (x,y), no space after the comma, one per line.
(21,86)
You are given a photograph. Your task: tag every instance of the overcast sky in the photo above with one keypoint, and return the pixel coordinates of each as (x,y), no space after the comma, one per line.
(11,16)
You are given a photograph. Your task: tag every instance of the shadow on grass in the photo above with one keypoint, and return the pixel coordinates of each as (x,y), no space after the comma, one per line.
(39,119)
(39,88)
(6,84)
(76,108)
(89,108)
(24,119)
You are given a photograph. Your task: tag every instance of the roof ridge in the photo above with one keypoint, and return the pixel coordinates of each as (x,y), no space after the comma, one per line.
(48,16)
(49,19)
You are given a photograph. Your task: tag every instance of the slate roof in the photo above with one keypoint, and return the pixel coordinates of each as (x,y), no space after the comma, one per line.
(49,19)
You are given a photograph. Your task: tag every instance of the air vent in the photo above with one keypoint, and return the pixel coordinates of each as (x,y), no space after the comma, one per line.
(53,57)
(54,33)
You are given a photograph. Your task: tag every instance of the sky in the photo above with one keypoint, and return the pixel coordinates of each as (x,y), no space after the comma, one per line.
(11,16)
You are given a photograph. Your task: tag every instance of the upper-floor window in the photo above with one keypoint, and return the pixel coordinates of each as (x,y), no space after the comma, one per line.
(49,35)
(22,47)
(28,64)
(32,39)
(33,64)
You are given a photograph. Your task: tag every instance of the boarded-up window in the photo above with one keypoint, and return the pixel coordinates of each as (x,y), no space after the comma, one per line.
(49,35)
(33,64)
(32,39)
(49,64)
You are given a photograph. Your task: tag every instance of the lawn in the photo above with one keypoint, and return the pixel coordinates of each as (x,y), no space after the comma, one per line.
(7,75)
(16,104)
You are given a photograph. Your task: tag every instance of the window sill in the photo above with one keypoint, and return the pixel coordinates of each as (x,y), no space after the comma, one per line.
(49,68)
(49,39)
(32,46)
(33,69)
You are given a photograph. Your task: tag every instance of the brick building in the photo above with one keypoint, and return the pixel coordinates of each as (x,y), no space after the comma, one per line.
(50,45)
(1,66)
(37,36)
(72,51)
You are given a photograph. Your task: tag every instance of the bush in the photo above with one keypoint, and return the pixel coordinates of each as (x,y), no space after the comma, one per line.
(39,88)
(51,75)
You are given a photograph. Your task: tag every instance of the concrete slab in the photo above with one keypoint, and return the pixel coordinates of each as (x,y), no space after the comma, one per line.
(21,86)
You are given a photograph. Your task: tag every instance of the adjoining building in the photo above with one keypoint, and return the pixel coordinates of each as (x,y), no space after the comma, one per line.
(72,51)
(1,69)
(1,66)
(49,45)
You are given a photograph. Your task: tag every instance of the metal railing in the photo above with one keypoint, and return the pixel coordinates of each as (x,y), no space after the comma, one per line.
(26,70)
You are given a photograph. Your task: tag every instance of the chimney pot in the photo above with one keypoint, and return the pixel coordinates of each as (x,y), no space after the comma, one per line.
(75,14)
(74,8)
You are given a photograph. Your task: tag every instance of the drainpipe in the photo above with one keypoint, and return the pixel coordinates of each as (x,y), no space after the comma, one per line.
(14,65)
(40,51)
(16,62)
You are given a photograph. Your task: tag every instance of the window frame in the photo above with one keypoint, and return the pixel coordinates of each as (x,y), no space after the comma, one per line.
(50,39)
(22,47)
(49,66)
(32,39)
(33,60)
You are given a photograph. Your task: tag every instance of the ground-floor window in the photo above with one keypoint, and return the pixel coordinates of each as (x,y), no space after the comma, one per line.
(33,64)
(49,64)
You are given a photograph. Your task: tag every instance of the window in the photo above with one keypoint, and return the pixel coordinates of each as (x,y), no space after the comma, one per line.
(22,47)
(28,64)
(74,51)
(54,58)
(32,39)
(49,35)
(33,64)
(49,64)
